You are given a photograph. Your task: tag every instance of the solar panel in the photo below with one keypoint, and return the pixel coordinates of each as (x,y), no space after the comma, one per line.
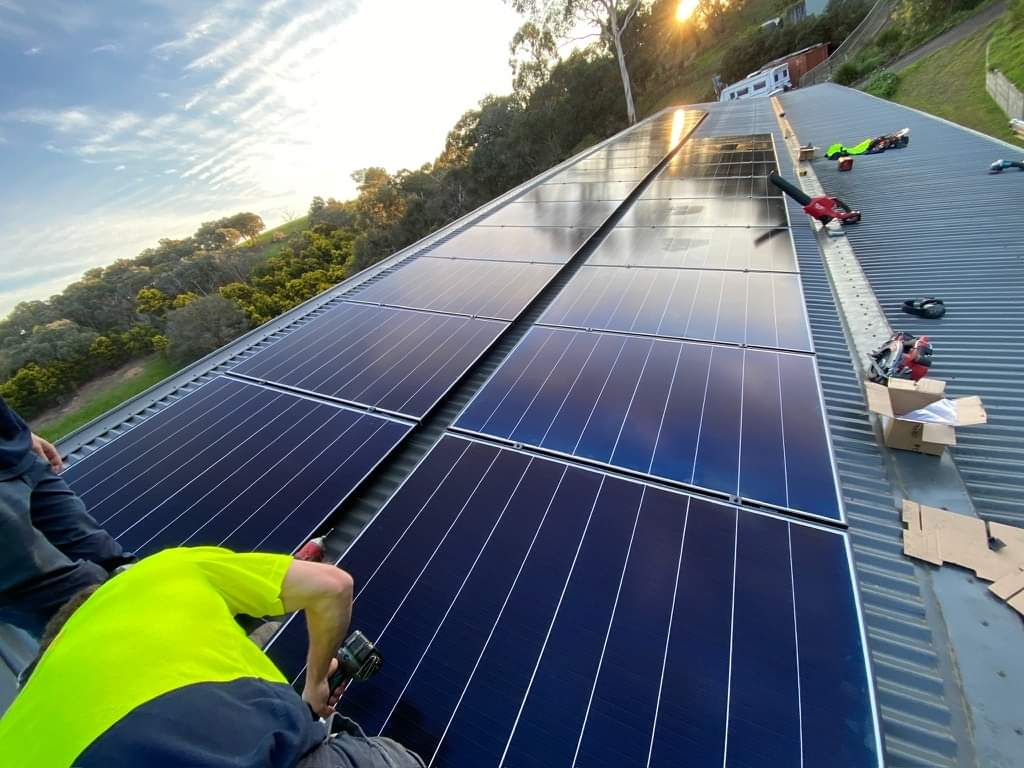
(555,245)
(683,170)
(695,248)
(599,174)
(234,464)
(480,288)
(533,612)
(563,214)
(742,422)
(731,212)
(583,191)
(759,309)
(391,359)
(667,188)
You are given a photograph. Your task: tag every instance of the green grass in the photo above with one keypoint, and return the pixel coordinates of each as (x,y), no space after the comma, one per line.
(951,84)
(154,369)
(288,229)
(1006,52)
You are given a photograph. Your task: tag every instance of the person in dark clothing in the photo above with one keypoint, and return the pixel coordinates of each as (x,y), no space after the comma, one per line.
(151,669)
(50,547)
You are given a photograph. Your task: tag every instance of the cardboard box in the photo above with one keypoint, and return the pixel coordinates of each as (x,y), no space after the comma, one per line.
(905,427)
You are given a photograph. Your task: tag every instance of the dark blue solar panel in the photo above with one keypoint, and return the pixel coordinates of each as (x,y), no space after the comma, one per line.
(495,289)
(534,613)
(743,422)
(393,359)
(544,244)
(706,212)
(561,214)
(233,464)
(760,309)
(697,248)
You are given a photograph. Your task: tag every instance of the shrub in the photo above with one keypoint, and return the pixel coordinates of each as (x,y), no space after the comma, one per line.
(884,84)
(847,73)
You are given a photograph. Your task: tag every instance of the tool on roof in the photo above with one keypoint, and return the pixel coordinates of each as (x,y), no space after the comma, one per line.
(927,307)
(1004,165)
(312,551)
(875,146)
(823,208)
(903,356)
(358,659)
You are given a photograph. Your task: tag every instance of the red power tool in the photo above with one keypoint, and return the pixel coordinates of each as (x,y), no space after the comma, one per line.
(904,356)
(823,208)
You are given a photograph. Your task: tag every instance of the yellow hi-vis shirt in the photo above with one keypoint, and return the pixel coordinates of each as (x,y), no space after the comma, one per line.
(153,670)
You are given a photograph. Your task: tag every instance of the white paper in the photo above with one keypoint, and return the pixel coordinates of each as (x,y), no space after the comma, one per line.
(940,412)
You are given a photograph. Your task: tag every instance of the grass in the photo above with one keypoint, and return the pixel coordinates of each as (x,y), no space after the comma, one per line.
(1006,52)
(155,368)
(287,229)
(950,83)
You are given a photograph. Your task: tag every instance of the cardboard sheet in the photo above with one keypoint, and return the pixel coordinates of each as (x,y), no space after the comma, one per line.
(937,536)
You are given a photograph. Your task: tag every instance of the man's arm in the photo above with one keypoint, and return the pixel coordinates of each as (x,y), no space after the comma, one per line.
(325,594)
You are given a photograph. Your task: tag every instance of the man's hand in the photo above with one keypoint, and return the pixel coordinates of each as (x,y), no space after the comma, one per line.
(47,453)
(320,697)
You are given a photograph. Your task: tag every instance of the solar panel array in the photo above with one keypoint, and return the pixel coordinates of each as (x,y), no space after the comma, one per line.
(738,413)
(575,573)
(537,606)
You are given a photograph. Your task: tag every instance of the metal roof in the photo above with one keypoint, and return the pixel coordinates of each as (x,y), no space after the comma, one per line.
(936,223)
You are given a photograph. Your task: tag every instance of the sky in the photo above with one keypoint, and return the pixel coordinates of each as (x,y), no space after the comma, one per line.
(124,121)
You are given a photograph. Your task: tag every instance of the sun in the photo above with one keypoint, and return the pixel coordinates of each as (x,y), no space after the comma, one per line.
(685,9)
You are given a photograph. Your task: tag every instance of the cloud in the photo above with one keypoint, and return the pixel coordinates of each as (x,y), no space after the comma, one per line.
(120,168)
(35,50)
(62,120)
(107,48)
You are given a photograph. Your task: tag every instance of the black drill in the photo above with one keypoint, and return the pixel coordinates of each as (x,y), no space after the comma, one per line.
(358,659)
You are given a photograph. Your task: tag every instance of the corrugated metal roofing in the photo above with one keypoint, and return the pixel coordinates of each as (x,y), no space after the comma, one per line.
(937,224)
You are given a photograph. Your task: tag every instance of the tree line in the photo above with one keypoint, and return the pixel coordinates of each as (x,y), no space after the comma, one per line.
(186,297)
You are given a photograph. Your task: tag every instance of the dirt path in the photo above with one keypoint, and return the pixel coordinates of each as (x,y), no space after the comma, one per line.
(87,391)
(954,35)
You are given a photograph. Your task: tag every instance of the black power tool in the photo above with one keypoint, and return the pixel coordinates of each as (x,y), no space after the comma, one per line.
(358,659)
(903,356)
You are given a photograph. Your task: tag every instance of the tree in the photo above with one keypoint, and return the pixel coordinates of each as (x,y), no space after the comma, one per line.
(151,301)
(202,326)
(248,225)
(611,17)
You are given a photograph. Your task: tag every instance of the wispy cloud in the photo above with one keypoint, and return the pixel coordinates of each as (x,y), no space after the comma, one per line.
(107,48)
(120,168)
(35,50)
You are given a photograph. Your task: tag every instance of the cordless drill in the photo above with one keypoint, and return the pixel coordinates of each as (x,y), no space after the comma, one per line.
(358,659)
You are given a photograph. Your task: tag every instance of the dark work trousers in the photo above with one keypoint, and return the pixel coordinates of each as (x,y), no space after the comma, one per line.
(349,747)
(50,548)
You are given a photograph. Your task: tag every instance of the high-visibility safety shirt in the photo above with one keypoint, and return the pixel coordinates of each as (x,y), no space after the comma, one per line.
(153,670)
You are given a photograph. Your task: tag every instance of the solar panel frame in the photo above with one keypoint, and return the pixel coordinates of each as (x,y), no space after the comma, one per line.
(292,361)
(585,214)
(176,494)
(480,706)
(537,403)
(706,212)
(497,290)
(584,191)
(686,304)
(701,248)
(492,248)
